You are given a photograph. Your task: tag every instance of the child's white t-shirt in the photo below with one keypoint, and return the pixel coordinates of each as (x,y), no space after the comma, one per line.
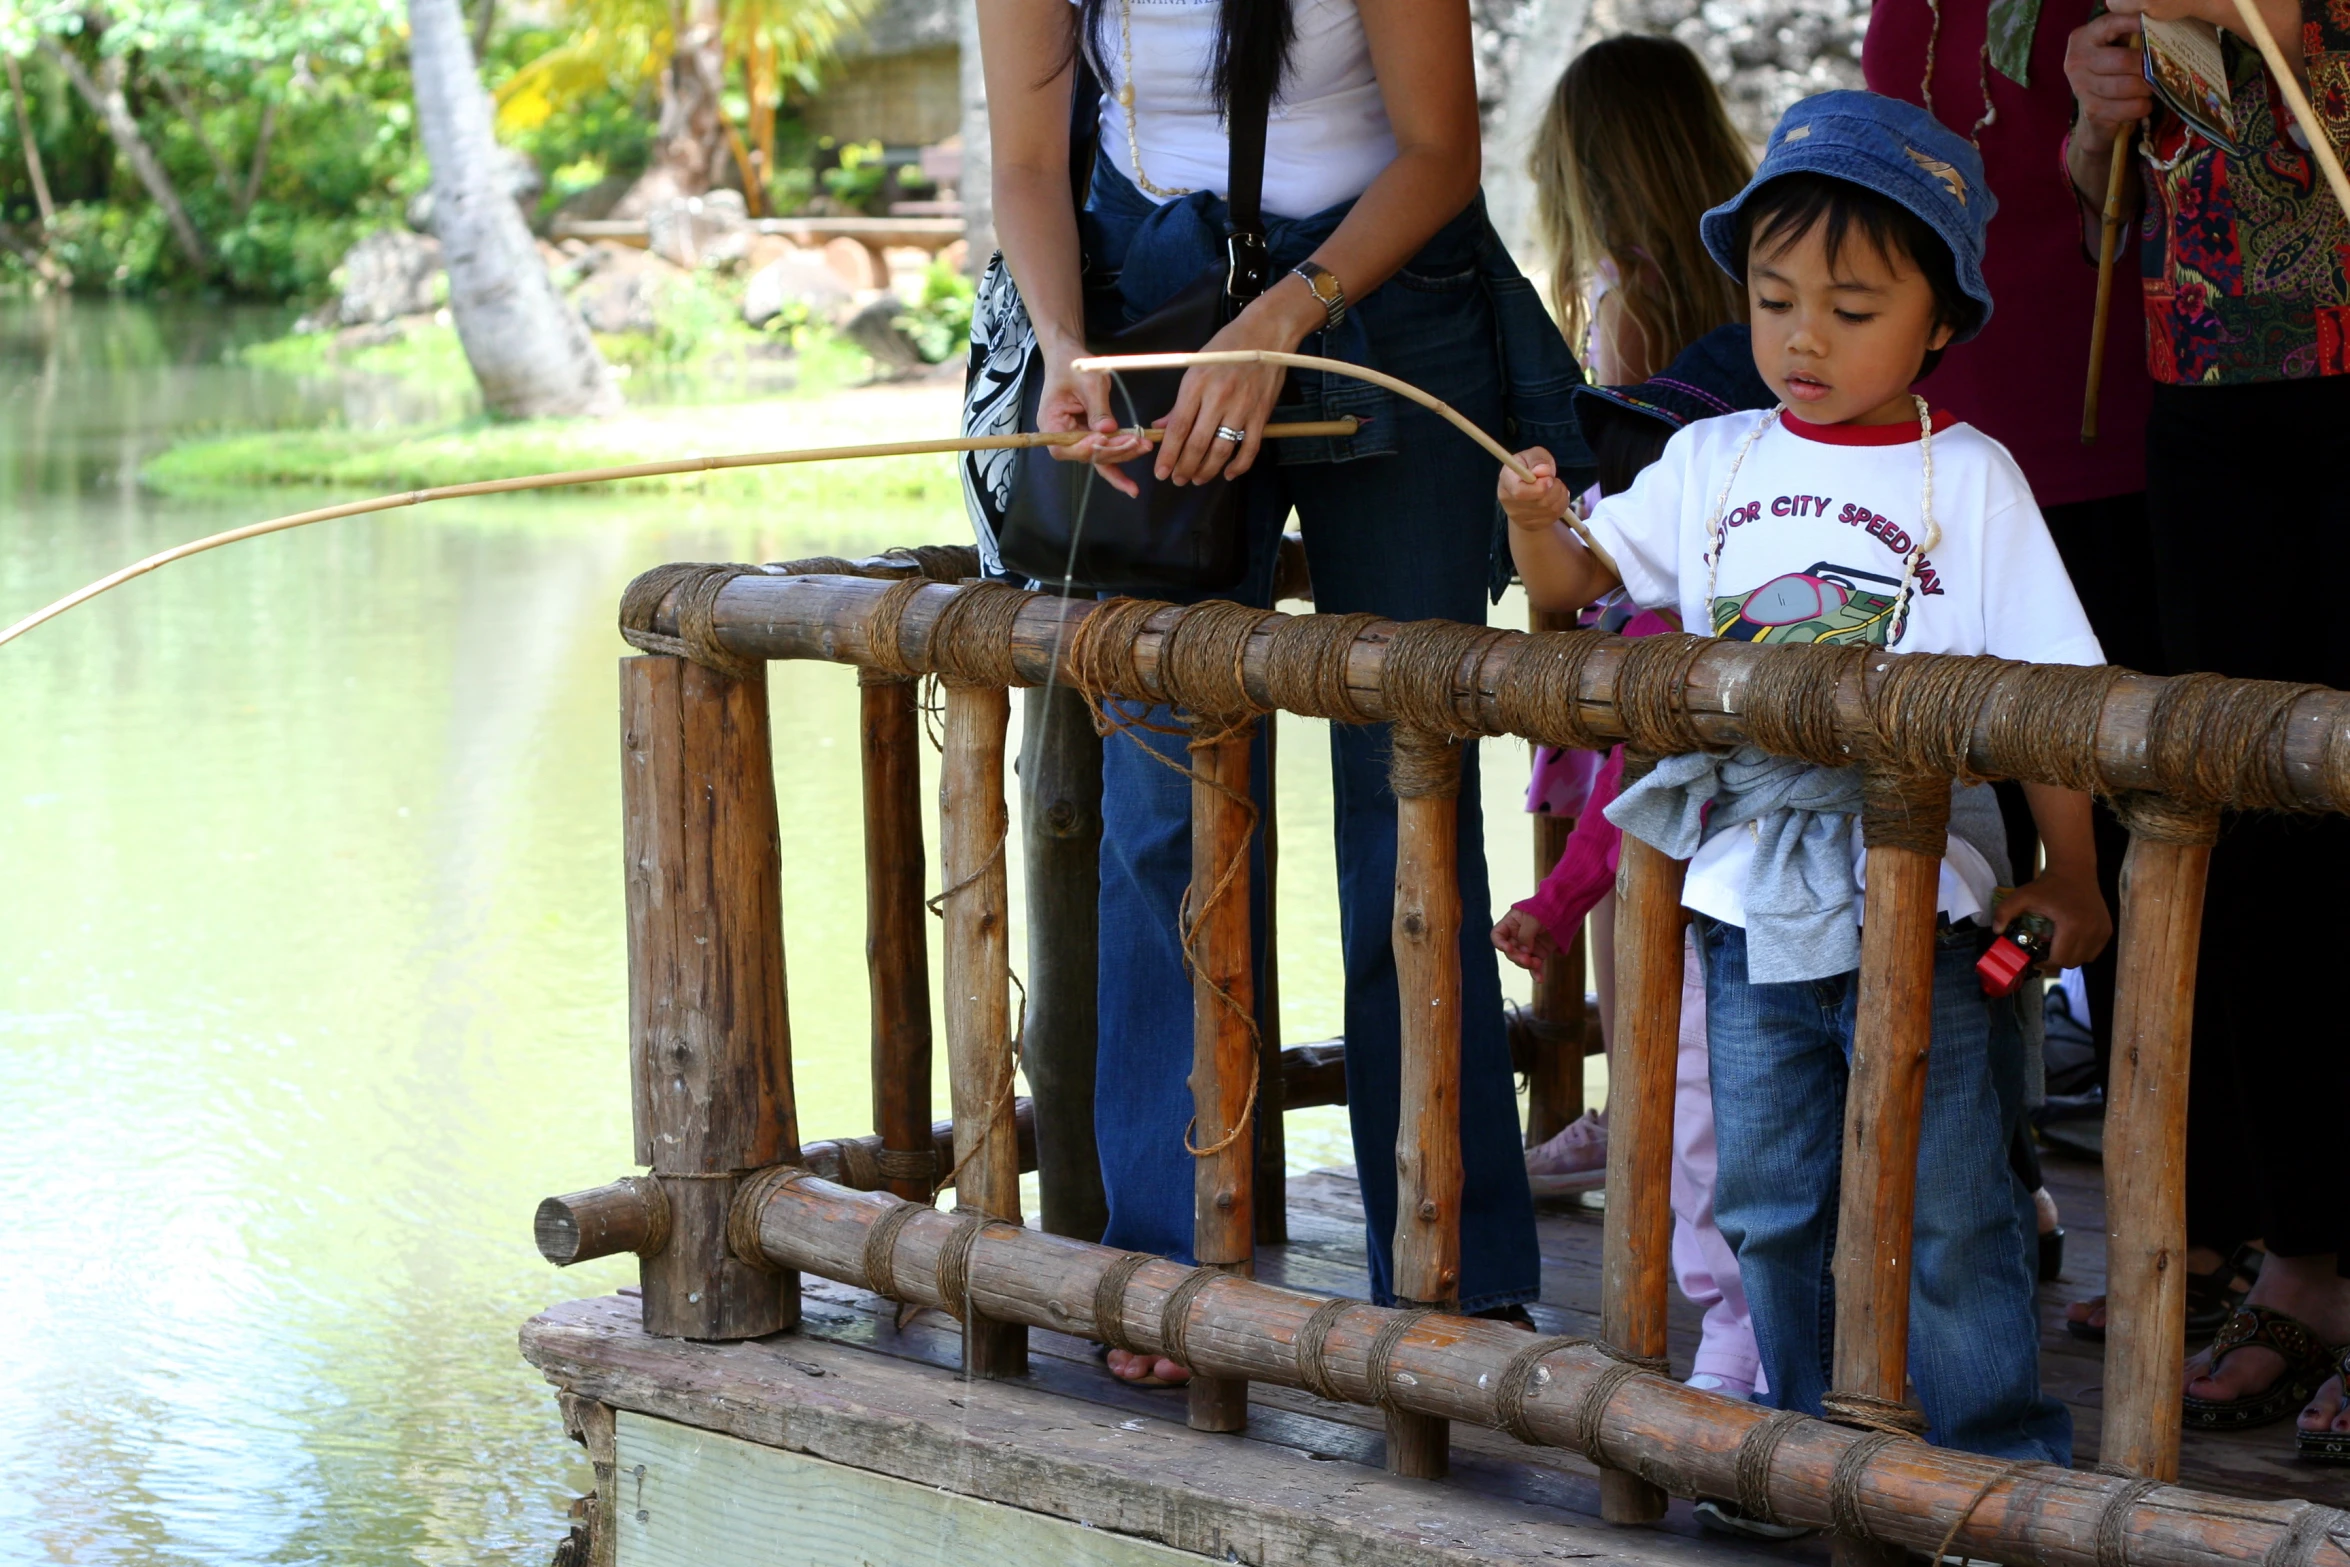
(1819,519)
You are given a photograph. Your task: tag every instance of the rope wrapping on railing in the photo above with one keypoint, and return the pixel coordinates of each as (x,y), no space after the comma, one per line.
(696,587)
(751,1200)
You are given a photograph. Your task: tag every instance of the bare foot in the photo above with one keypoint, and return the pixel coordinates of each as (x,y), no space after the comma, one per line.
(2306,1288)
(1139,1368)
(2330,1410)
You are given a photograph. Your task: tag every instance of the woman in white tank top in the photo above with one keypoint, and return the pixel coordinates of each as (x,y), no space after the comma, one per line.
(1382,255)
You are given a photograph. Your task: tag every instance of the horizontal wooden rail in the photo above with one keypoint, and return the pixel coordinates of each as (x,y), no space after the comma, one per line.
(828,618)
(626,1215)
(1457,1368)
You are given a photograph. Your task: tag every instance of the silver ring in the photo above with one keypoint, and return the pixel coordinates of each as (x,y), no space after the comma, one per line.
(1225,432)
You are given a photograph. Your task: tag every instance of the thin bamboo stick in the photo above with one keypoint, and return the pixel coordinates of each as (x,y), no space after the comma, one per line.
(2108,241)
(555,481)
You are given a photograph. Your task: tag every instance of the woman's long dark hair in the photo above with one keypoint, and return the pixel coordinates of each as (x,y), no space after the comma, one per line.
(1252,47)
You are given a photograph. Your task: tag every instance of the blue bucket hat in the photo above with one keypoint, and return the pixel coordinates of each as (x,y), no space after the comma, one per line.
(1712,376)
(1882,144)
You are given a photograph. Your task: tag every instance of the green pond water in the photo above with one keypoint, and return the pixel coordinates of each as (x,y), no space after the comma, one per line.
(311,960)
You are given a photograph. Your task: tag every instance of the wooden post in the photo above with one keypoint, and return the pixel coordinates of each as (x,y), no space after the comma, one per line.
(709,1040)
(1223,1044)
(897,942)
(1554,1088)
(2146,1136)
(1903,823)
(1636,1257)
(1272,1177)
(1426,778)
(1061,838)
(972,829)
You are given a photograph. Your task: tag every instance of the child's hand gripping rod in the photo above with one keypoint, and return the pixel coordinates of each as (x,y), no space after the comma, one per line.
(1113,363)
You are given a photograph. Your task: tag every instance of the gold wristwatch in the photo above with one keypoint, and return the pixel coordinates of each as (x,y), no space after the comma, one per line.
(1323,284)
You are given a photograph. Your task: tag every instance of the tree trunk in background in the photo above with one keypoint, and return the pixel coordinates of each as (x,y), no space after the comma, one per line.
(104,96)
(689,146)
(977,194)
(528,348)
(32,150)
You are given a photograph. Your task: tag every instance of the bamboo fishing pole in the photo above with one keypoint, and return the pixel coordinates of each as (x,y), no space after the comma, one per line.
(642,470)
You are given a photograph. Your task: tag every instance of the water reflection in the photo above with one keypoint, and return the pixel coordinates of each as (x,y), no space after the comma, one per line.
(313,979)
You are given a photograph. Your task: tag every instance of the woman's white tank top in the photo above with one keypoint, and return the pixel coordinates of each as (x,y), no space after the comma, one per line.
(1328,136)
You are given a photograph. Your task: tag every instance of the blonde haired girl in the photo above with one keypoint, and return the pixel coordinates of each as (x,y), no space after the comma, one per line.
(1634,148)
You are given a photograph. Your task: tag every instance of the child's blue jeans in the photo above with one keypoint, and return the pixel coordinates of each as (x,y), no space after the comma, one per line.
(1781,1060)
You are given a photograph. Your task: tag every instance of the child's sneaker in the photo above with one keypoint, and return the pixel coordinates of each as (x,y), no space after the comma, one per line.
(1575,1160)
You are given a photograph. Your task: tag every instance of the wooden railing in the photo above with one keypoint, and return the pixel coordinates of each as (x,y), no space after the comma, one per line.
(738,1208)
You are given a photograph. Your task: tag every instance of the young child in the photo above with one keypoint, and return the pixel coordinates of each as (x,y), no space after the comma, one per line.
(1634,147)
(1850,514)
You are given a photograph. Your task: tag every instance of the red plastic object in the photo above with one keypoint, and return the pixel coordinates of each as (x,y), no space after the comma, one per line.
(2003,967)
(2012,956)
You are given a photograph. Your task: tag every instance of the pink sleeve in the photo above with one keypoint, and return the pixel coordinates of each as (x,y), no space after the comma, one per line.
(1587,866)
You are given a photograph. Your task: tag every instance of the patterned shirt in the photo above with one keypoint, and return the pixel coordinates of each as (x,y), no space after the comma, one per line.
(2247,256)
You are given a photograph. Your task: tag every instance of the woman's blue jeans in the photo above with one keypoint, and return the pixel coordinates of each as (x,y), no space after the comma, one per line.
(1406,536)
(1781,1061)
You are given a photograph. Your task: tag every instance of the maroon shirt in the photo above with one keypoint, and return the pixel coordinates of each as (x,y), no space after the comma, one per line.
(2021,381)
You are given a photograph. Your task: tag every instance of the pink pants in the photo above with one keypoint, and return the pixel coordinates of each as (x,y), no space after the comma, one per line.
(1703,1264)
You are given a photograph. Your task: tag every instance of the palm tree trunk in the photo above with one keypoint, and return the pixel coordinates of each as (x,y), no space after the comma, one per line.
(689,143)
(104,95)
(528,348)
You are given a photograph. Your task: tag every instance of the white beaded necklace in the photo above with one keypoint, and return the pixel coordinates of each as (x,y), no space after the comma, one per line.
(1718,526)
(1126,101)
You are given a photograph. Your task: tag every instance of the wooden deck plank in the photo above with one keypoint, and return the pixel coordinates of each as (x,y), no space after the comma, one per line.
(695,1498)
(1273,1497)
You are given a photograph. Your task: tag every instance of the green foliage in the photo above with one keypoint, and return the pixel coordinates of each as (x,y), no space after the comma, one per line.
(604,129)
(327,77)
(940,322)
(861,178)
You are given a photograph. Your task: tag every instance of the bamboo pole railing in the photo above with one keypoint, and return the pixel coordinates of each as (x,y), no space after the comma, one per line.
(727,1205)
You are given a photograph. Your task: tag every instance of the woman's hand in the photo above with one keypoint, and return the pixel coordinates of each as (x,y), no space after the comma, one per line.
(1071,401)
(2106,78)
(1236,397)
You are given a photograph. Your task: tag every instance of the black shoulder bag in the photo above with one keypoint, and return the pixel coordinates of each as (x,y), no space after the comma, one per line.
(1062,521)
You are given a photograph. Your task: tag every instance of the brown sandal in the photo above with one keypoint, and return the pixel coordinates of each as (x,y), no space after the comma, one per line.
(2307,1365)
(2329,1447)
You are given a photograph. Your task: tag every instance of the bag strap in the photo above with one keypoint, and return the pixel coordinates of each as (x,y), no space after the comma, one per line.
(1249,262)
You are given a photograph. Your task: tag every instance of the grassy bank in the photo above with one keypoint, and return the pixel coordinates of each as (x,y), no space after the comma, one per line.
(363,461)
